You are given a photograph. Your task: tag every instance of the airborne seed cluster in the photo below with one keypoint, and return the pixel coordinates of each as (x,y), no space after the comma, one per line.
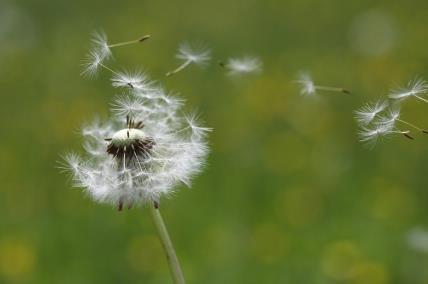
(383,117)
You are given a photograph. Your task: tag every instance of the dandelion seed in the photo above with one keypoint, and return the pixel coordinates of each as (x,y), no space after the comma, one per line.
(101,51)
(414,88)
(245,65)
(371,136)
(369,112)
(197,131)
(308,87)
(191,54)
(128,106)
(142,159)
(134,80)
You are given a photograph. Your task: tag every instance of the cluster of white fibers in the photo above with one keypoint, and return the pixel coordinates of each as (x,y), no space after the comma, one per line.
(382,118)
(145,150)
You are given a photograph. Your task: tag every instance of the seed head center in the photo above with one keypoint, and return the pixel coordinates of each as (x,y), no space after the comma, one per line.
(127,136)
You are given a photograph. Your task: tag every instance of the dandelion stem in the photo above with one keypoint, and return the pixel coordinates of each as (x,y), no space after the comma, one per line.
(141,39)
(174,265)
(333,89)
(179,68)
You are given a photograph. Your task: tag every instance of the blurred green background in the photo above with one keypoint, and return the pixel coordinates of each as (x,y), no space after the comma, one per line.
(289,194)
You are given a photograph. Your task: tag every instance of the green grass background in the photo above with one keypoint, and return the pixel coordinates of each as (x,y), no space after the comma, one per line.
(289,195)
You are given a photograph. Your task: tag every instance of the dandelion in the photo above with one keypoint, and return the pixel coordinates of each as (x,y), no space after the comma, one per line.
(414,88)
(368,112)
(191,54)
(142,159)
(144,151)
(241,66)
(308,87)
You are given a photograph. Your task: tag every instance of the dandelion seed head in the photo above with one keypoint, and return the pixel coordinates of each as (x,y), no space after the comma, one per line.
(244,65)
(141,153)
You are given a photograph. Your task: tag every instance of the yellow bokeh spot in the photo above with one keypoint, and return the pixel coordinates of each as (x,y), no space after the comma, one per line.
(369,273)
(392,203)
(340,260)
(17,258)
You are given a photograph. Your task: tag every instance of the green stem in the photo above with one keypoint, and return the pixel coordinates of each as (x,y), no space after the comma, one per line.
(141,39)
(174,265)
(179,68)
(333,89)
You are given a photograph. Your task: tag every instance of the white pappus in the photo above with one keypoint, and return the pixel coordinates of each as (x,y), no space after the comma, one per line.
(415,88)
(380,119)
(142,153)
(191,54)
(368,112)
(244,65)
(100,51)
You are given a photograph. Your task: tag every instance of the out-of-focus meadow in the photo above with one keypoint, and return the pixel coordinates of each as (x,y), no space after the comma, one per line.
(289,195)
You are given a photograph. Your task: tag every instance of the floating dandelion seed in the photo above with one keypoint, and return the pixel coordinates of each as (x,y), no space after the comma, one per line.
(101,51)
(371,136)
(369,112)
(100,44)
(144,160)
(244,65)
(191,54)
(414,88)
(92,62)
(308,87)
